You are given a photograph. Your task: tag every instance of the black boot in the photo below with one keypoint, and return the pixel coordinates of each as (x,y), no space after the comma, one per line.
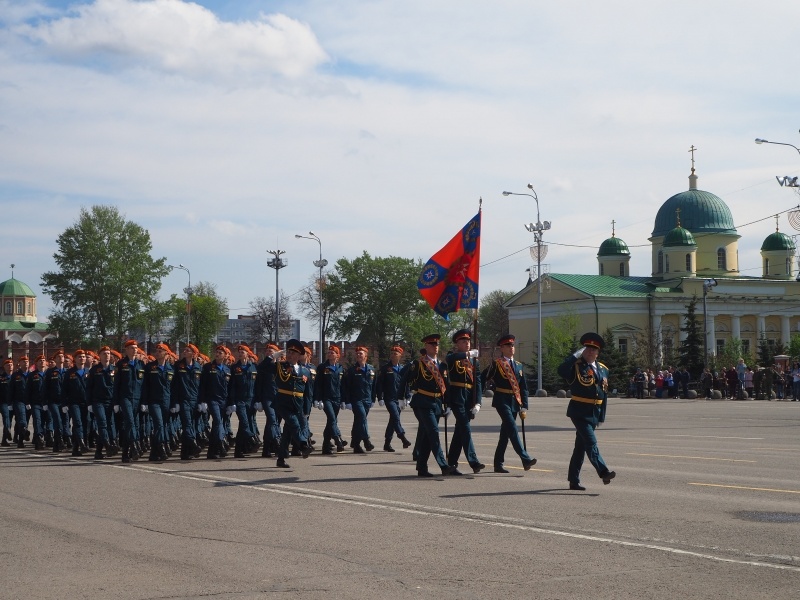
(48,439)
(58,445)
(404,439)
(98,451)
(327,447)
(387,447)
(6,438)
(126,454)
(112,449)
(368,445)
(214,448)
(38,442)
(67,441)
(357,449)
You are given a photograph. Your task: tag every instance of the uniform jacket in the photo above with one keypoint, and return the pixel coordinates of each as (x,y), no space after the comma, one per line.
(265,381)
(101,383)
(18,390)
(328,382)
(185,382)
(128,380)
(387,386)
(503,394)
(588,388)
(35,388)
(157,384)
(75,384)
(425,391)
(292,388)
(53,389)
(358,385)
(461,388)
(242,385)
(214,380)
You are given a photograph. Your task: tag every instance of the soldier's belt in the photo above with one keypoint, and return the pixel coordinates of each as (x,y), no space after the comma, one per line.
(427,393)
(504,390)
(595,401)
(291,393)
(459,384)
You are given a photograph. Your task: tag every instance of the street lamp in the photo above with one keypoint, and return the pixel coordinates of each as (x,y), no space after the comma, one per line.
(188,292)
(277,263)
(707,285)
(320,264)
(763,141)
(537,230)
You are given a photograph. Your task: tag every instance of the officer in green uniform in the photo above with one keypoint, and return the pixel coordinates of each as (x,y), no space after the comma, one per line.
(588,383)
(510,398)
(463,397)
(427,378)
(293,387)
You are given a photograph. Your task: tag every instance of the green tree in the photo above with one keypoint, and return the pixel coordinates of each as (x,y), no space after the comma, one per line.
(105,270)
(149,322)
(559,339)
(493,316)
(208,313)
(728,356)
(765,353)
(618,363)
(369,294)
(794,346)
(690,351)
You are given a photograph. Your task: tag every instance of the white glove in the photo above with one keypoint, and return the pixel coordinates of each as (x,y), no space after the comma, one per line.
(348,406)
(204,407)
(321,405)
(277,354)
(381,403)
(447,412)
(578,353)
(90,408)
(116,408)
(175,409)
(230,410)
(145,408)
(473,353)
(257,406)
(315,404)
(408,402)
(65,410)
(27,407)
(475,409)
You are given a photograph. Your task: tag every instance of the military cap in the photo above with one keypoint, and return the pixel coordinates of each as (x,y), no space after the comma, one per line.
(116,354)
(507,340)
(163,346)
(335,350)
(40,357)
(295,345)
(432,338)
(131,343)
(57,352)
(77,352)
(104,348)
(192,348)
(362,349)
(592,339)
(398,349)
(273,347)
(23,357)
(244,347)
(462,334)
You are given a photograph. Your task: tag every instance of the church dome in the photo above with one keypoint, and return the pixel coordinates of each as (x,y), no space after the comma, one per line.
(777,241)
(14,287)
(700,212)
(679,237)
(613,246)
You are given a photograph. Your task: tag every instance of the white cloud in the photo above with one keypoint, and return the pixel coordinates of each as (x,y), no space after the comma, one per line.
(179,37)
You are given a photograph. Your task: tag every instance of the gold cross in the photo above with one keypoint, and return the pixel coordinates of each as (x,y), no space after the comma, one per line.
(692,150)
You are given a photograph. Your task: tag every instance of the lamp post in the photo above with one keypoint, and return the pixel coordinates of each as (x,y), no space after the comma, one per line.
(763,141)
(277,263)
(707,285)
(320,264)
(188,292)
(537,230)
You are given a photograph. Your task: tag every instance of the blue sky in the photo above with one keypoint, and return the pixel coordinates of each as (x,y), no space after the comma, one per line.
(225,128)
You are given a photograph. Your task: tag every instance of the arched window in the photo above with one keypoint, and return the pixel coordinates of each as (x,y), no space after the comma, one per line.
(601,269)
(8,307)
(622,269)
(689,263)
(666,263)
(721,261)
(30,308)
(766,267)
(660,261)
(20,307)
(788,266)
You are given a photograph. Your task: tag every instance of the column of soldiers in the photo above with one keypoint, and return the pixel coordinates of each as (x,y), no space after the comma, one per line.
(131,403)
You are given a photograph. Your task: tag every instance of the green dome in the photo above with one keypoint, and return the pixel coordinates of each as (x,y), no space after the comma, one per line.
(679,237)
(778,241)
(613,246)
(701,212)
(14,287)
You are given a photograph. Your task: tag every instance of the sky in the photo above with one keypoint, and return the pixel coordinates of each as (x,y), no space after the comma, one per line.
(225,128)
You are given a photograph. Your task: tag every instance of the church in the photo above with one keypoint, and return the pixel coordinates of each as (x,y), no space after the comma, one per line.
(694,246)
(20,329)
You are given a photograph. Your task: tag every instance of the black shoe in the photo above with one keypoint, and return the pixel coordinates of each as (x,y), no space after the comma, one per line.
(48,439)
(5,442)
(528,464)
(368,446)
(326,450)
(387,447)
(357,449)
(38,443)
(265,453)
(112,450)
(282,464)
(450,470)
(98,453)
(239,454)
(576,486)
(306,450)
(424,474)
(27,433)
(295,451)
(478,467)
(342,441)
(500,469)
(405,441)
(339,445)
(126,459)
(608,477)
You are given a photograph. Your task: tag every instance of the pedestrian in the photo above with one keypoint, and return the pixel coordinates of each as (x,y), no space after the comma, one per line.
(588,384)
(358,393)
(184,393)
(463,398)
(213,393)
(100,393)
(390,396)
(328,398)
(156,389)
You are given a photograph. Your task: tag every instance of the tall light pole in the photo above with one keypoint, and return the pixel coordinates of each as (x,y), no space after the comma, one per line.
(188,292)
(277,263)
(537,230)
(320,264)
(763,141)
(707,285)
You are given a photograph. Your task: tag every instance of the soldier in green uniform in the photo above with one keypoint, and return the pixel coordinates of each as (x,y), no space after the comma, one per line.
(510,398)
(427,378)
(588,383)
(463,397)
(292,392)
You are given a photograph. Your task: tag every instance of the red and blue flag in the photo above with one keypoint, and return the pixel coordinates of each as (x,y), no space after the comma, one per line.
(449,281)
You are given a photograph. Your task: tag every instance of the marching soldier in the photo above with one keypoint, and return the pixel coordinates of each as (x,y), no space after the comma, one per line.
(265,396)
(427,378)
(53,394)
(588,383)
(127,397)
(240,396)
(391,396)
(292,392)
(19,401)
(213,392)
(184,392)
(156,387)
(510,398)
(328,397)
(358,392)
(463,397)
(75,385)
(36,401)
(100,394)
(5,399)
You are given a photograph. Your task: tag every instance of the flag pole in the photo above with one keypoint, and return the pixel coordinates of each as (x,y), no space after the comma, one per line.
(476,363)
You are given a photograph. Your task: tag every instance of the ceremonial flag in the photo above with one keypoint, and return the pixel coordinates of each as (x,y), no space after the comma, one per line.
(449,280)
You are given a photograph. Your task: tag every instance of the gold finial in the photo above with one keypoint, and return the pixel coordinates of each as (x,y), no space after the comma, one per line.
(776,223)
(678,215)
(692,150)
(612,228)
(12,270)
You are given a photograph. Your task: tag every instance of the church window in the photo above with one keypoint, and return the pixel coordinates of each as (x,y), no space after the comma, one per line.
(660,261)
(766,267)
(8,307)
(689,262)
(623,345)
(666,263)
(20,307)
(721,262)
(622,269)
(601,269)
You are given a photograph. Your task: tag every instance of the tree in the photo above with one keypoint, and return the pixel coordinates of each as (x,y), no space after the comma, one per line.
(765,353)
(559,338)
(263,309)
(368,294)
(149,322)
(794,346)
(728,356)
(309,303)
(618,363)
(208,313)
(690,351)
(105,270)
(493,316)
